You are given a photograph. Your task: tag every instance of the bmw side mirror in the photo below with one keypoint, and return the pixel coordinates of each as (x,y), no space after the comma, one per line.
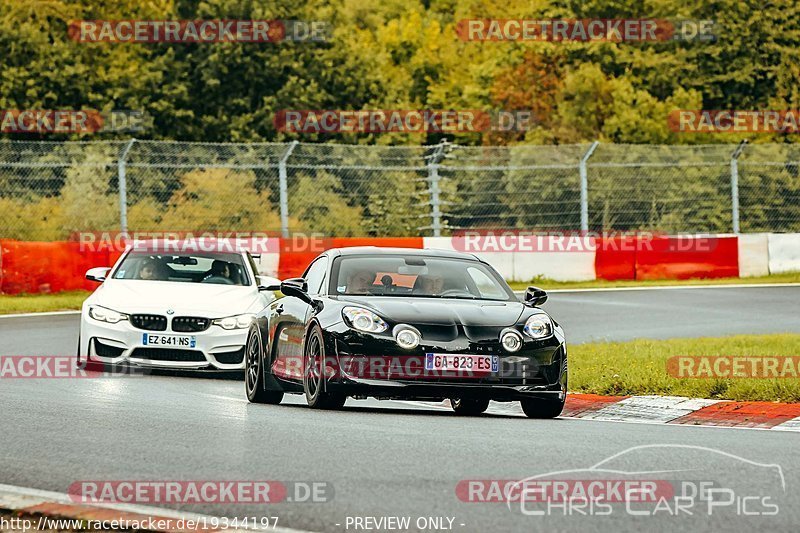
(97,274)
(267,283)
(534,296)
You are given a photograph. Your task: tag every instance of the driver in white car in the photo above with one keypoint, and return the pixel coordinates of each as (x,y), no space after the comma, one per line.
(219,269)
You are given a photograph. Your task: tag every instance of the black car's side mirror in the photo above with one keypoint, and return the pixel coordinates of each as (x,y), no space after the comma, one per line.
(534,296)
(97,274)
(297,287)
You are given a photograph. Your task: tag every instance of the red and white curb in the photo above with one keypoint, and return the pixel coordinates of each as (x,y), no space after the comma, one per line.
(56,505)
(666,410)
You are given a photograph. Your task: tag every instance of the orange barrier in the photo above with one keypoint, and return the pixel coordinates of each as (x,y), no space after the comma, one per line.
(41,267)
(33,267)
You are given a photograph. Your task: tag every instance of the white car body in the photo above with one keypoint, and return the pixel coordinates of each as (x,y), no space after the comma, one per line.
(214,348)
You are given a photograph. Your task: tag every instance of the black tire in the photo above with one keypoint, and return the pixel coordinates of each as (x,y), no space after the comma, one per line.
(254,374)
(469,406)
(536,408)
(313,357)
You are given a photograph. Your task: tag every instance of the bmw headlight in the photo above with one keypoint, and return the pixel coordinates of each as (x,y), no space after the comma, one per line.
(363,320)
(106,315)
(235,322)
(538,326)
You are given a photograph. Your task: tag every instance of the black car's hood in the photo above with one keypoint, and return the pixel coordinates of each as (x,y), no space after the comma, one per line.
(436,311)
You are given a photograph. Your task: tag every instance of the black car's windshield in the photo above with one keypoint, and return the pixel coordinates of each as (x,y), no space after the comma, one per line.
(215,268)
(417,276)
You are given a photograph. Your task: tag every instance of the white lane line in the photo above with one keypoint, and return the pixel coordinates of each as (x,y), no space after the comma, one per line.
(48,313)
(674,287)
(16,498)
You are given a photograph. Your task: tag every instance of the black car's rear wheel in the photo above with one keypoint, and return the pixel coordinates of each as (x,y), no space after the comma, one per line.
(254,374)
(314,375)
(469,406)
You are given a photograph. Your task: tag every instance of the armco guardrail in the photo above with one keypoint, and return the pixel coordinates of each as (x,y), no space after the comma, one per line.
(34,267)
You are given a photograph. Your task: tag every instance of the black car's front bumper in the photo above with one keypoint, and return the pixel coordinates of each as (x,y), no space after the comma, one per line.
(538,370)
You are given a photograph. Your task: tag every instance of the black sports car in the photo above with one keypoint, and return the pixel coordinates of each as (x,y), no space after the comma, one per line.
(398,323)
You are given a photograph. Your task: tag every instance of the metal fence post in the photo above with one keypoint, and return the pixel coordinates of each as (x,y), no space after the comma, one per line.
(123,188)
(433,178)
(735,185)
(284,189)
(585,186)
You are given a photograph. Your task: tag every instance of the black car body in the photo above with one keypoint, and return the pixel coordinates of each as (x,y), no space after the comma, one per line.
(382,322)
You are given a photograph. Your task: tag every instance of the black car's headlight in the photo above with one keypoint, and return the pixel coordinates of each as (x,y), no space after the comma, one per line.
(538,326)
(363,320)
(103,314)
(234,322)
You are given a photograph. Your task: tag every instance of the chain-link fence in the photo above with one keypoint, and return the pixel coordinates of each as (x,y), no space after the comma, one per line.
(53,190)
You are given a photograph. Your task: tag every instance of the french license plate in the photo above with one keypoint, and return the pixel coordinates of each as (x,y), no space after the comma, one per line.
(462,363)
(173,341)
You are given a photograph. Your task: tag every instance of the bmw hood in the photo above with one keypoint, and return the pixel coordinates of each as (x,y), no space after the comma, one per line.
(443,312)
(194,299)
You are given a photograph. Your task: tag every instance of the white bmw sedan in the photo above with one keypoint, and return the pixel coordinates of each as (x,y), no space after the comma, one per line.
(173,310)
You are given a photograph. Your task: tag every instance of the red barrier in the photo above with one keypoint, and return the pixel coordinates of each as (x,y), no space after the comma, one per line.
(41,267)
(687,257)
(615,257)
(295,257)
(57,266)
(662,257)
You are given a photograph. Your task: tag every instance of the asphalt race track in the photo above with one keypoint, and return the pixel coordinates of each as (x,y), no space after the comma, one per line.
(586,316)
(395,458)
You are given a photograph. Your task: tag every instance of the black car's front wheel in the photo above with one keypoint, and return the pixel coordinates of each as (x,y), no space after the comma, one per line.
(314,374)
(539,408)
(469,406)
(254,374)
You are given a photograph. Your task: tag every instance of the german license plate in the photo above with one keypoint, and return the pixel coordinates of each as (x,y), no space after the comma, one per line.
(462,363)
(173,341)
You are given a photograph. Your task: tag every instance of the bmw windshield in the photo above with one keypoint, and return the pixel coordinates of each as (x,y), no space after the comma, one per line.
(417,276)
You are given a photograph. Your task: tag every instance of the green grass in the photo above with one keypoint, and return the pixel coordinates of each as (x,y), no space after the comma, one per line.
(39,303)
(640,367)
(544,283)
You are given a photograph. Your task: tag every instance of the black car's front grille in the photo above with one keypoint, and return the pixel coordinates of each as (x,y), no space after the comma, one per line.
(190,324)
(149,322)
(165,354)
(104,350)
(230,358)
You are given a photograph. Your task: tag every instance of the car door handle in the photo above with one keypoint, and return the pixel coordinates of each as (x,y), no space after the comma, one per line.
(279,309)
